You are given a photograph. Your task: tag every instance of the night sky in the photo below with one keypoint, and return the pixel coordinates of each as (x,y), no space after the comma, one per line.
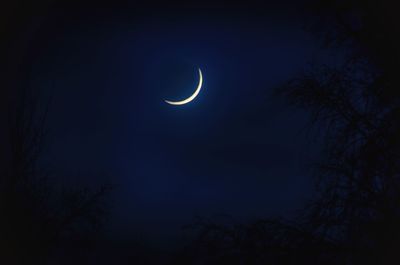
(289,155)
(235,150)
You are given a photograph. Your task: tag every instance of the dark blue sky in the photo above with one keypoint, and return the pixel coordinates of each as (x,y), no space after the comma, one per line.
(234,150)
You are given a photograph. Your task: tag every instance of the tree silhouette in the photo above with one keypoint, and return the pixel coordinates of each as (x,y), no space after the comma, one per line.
(356,105)
(36,216)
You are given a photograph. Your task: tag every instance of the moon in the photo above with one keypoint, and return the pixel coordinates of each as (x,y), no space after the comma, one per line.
(193,96)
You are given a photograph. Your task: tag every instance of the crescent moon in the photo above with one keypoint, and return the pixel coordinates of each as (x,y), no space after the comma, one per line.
(193,96)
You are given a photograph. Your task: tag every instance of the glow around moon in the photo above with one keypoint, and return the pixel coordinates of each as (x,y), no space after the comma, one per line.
(193,96)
